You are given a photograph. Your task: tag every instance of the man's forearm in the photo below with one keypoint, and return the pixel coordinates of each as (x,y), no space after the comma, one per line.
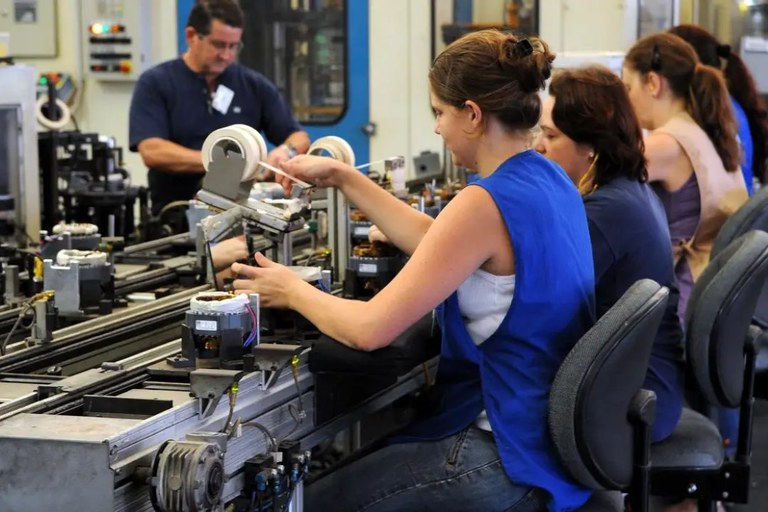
(163,154)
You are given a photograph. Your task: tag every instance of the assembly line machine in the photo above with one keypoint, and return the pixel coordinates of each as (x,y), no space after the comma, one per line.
(192,399)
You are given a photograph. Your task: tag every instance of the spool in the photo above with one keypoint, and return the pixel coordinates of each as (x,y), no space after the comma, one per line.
(336,147)
(66,115)
(248,141)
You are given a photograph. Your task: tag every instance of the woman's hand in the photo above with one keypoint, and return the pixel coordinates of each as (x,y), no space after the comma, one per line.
(273,282)
(317,170)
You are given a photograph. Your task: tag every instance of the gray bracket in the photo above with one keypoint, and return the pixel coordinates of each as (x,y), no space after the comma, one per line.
(271,358)
(208,386)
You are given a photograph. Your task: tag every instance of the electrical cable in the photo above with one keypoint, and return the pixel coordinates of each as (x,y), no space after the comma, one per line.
(254,329)
(270,438)
(299,414)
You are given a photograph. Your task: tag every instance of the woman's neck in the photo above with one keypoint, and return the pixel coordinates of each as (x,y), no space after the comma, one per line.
(497,145)
(667,108)
(497,151)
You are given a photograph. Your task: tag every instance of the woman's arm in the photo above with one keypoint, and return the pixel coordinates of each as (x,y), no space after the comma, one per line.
(403,225)
(663,154)
(451,250)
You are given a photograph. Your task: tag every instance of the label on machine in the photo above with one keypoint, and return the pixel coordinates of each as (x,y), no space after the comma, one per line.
(206,325)
(368,267)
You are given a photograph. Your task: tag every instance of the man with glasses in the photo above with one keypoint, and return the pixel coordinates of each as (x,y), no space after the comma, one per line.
(176,104)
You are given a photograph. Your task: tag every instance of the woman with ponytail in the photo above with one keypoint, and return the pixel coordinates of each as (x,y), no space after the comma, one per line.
(748,106)
(513,297)
(693,153)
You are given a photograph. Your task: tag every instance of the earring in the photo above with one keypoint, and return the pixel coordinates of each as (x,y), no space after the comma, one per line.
(591,155)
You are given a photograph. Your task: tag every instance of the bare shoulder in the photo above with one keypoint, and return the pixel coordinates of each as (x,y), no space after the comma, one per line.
(662,147)
(664,155)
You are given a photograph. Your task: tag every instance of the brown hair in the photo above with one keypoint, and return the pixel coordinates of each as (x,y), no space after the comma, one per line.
(702,88)
(741,85)
(592,107)
(501,72)
(205,11)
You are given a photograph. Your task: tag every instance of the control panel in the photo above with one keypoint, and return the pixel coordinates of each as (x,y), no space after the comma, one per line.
(117,38)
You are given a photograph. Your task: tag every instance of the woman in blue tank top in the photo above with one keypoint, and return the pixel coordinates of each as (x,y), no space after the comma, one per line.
(522,228)
(589,127)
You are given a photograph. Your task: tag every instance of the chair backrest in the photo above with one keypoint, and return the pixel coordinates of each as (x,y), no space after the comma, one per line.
(753,215)
(718,317)
(591,394)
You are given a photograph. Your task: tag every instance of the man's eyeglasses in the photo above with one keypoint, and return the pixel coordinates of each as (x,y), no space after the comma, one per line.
(222,45)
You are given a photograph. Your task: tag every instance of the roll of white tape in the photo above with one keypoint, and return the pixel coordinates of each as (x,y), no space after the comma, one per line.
(66,256)
(66,115)
(248,141)
(336,147)
(218,302)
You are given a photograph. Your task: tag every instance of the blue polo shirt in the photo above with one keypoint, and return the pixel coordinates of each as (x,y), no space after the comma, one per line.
(173,102)
(630,241)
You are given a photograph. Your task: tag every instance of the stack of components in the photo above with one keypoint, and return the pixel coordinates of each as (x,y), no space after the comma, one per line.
(80,236)
(219,329)
(81,277)
(82,281)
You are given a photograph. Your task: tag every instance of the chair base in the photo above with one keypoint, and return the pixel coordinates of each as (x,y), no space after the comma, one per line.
(730,483)
(604,501)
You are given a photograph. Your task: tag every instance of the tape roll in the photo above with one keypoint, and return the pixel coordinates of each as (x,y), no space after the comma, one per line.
(336,147)
(66,115)
(248,141)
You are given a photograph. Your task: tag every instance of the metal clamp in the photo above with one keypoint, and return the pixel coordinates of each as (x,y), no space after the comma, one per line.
(208,386)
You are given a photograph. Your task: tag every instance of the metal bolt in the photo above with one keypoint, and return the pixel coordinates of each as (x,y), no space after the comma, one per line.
(692,488)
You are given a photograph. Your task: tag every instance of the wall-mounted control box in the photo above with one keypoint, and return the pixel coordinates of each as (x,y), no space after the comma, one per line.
(118,42)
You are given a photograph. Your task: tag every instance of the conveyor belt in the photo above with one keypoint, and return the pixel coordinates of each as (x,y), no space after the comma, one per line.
(110,337)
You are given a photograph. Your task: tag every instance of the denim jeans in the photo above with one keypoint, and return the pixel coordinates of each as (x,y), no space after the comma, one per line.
(460,473)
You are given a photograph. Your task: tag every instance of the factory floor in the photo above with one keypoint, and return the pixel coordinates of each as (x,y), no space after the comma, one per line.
(758,496)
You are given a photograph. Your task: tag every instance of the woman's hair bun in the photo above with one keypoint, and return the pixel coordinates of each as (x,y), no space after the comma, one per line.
(530,59)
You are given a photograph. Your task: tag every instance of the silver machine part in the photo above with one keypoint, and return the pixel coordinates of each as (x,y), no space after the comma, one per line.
(65,282)
(92,463)
(18,149)
(223,190)
(188,477)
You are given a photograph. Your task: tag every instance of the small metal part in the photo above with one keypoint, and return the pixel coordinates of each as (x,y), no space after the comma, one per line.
(209,385)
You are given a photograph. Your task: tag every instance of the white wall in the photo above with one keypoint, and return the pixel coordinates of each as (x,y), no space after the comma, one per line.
(588,25)
(104,106)
(400,60)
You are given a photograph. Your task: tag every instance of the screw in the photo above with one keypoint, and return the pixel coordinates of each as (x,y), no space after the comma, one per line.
(727,475)
(692,488)
(725,495)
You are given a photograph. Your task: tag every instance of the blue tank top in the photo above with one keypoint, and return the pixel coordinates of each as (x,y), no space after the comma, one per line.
(510,374)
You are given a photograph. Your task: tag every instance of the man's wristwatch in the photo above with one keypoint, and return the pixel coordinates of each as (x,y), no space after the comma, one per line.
(292,151)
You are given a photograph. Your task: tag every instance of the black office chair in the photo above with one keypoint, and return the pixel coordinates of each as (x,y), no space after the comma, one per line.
(752,215)
(599,418)
(720,355)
